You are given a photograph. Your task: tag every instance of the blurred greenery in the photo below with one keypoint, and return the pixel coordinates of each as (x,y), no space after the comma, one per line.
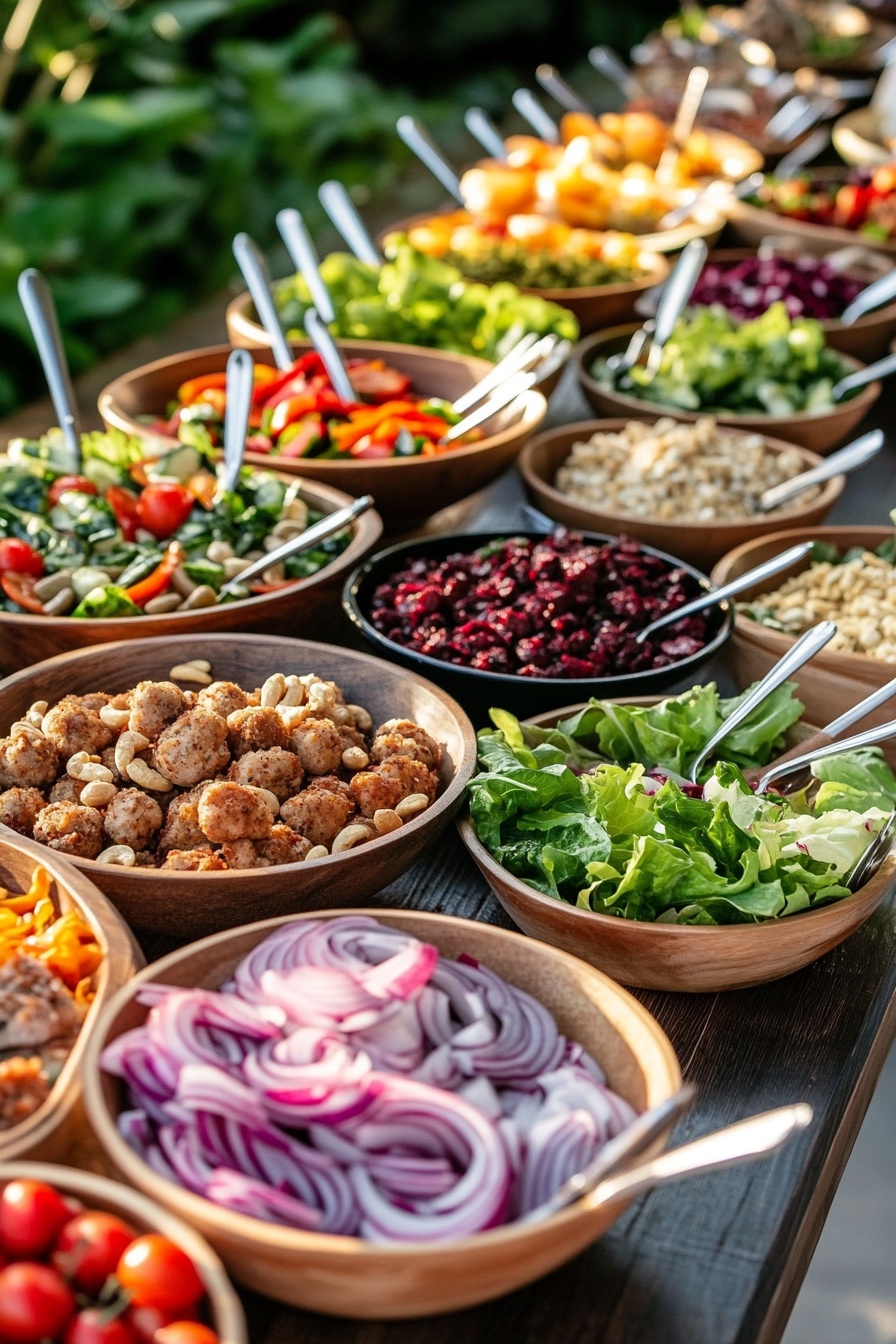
(137,137)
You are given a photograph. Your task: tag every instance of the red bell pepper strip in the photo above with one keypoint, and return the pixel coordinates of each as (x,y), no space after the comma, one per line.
(19,588)
(123,504)
(157,582)
(190,391)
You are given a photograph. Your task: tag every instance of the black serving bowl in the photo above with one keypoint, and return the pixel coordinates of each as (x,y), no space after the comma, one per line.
(479,690)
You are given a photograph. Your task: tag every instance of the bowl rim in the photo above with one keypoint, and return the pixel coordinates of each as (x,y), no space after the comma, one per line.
(585,350)
(832,233)
(276,1237)
(366,532)
(445,800)
(470,541)
(226,1308)
(533,411)
(830,489)
(860,125)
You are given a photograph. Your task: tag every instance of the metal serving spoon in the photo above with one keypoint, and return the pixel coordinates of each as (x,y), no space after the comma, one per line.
(508,392)
(483,129)
(683,124)
(868,863)
(340,207)
(552,82)
(319,531)
(238,404)
(420,142)
(800,114)
(531,110)
(803,153)
(608,64)
(40,310)
(881,368)
(319,336)
(861,450)
(875,295)
(805,648)
(673,300)
(715,595)
(755,1137)
(869,738)
(528,352)
(303,255)
(255,272)
(673,218)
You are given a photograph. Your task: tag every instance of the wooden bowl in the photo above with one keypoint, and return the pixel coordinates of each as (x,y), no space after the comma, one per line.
(819,433)
(868,338)
(833,681)
(749,224)
(699,542)
(406,489)
(856,137)
(247,333)
(26,639)
(48,1131)
(189,905)
(98,1192)
(686,959)
(345,1276)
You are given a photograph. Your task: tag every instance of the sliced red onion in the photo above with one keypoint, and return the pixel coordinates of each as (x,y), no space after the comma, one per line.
(235,1191)
(310,1076)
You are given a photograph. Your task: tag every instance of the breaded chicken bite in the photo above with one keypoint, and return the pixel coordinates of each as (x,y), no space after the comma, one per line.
(70,828)
(255,729)
(230,811)
(182,829)
(193,748)
(193,861)
(154,705)
(282,846)
(400,737)
(318,813)
(19,809)
(386,784)
(318,746)
(275,769)
(73,727)
(66,790)
(222,697)
(27,761)
(132,818)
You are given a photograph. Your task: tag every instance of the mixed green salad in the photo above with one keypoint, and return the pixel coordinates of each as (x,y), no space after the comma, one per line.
(598,812)
(770,365)
(417,300)
(125,533)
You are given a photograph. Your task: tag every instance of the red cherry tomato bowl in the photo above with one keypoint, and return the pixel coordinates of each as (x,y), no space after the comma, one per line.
(222,1307)
(26,638)
(47,1132)
(406,489)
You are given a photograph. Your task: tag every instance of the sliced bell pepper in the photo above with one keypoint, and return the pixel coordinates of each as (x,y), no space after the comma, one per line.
(123,504)
(203,486)
(191,390)
(19,588)
(301,436)
(157,582)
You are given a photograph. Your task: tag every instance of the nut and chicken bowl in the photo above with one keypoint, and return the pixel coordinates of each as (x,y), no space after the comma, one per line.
(201,782)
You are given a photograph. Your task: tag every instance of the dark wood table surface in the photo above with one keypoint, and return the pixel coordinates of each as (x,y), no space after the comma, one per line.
(716,1259)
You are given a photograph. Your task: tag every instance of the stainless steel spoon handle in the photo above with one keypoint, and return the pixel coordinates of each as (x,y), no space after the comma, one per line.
(531,110)
(881,368)
(803,153)
(869,738)
(863,708)
(853,455)
(328,350)
(421,143)
(683,124)
(326,527)
(483,129)
(805,648)
(552,82)
(674,297)
(608,64)
(254,268)
(240,381)
(340,207)
(303,255)
(735,1143)
(875,295)
(708,599)
(525,354)
(780,126)
(508,392)
(677,216)
(40,310)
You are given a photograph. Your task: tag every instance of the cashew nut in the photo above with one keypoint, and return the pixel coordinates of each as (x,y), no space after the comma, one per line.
(190,672)
(363,721)
(147,778)
(292,715)
(317,852)
(88,771)
(350,836)
(114,718)
(24,728)
(321,697)
(270,799)
(386,819)
(121,855)
(355,758)
(97,793)
(35,715)
(273,691)
(294,693)
(126,749)
(410,806)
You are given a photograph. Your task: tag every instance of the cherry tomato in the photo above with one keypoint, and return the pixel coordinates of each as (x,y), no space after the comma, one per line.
(184,1332)
(35,1303)
(375,381)
(19,588)
(96,1326)
(123,504)
(63,483)
(89,1247)
(17,557)
(31,1214)
(156,1273)
(146,1321)
(163,508)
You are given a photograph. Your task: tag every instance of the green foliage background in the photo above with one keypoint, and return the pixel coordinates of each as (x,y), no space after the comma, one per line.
(136,138)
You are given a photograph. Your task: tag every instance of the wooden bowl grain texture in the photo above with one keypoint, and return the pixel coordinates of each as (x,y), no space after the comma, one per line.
(865,340)
(818,433)
(47,1133)
(345,1276)
(406,489)
(700,542)
(26,639)
(98,1192)
(749,224)
(833,681)
(699,959)
(247,333)
(189,905)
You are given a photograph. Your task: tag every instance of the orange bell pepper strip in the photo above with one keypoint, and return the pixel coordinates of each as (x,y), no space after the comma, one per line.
(157,582)
(19,588)
(192,389)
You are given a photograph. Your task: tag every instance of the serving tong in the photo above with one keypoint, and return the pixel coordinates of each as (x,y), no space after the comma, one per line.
(673,300)
(855,454)
(319,531)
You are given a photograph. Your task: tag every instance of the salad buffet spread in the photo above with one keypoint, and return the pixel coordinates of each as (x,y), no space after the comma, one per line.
(340,1080)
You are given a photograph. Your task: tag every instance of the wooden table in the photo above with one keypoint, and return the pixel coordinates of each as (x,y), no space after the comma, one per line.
(718,1259)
